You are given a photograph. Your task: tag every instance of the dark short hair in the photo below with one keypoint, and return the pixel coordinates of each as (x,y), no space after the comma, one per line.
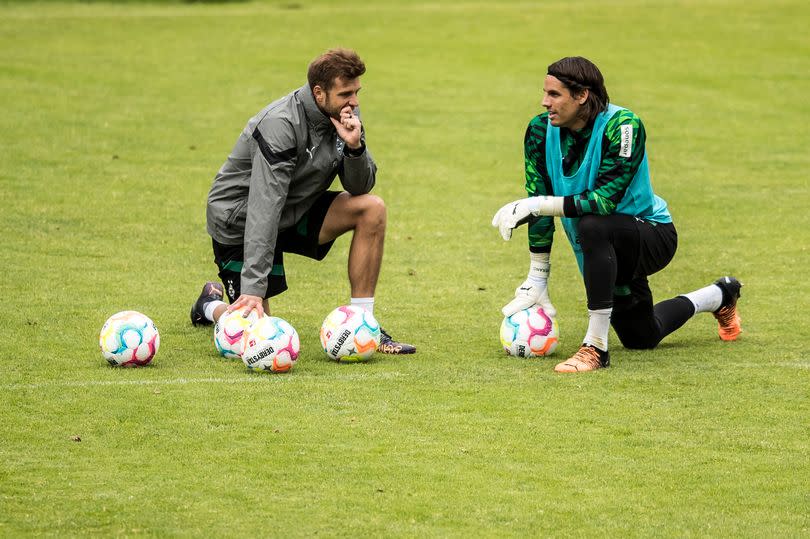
(334,63)
(579,74)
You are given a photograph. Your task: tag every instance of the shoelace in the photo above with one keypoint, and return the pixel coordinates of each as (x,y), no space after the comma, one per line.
(587,355)
(727,317)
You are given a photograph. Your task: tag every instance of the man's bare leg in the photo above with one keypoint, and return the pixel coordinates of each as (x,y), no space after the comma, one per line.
(366,216)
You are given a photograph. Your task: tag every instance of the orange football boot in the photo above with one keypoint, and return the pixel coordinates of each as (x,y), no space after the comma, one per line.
(728,319)
(587,358)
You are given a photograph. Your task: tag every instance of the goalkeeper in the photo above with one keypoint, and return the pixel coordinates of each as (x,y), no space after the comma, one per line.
(586,163)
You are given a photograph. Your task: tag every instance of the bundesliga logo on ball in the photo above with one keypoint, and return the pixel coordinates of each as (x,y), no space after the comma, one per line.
(529,333)
(129,339)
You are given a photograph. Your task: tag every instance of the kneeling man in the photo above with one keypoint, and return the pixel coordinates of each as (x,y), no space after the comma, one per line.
(271,196)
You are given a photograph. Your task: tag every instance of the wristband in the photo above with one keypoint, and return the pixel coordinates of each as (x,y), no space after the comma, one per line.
(549,206)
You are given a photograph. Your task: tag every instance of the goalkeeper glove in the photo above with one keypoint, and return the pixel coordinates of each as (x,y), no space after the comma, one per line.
(534,290)
(518,212)
(514,214)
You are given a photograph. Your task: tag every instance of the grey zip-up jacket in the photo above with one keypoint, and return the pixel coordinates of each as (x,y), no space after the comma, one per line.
(287,155)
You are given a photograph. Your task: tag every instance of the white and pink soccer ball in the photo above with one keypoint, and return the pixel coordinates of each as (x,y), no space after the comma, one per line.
(129,339)
(530,333)
(230,331)
(271,344)
(350,334)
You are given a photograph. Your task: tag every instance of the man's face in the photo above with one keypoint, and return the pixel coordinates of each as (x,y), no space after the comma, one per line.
(343,93)
(563,107)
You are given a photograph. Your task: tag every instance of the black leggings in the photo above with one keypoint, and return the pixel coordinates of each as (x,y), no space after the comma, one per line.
(619,252)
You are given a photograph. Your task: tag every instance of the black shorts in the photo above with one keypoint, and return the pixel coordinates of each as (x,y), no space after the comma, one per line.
(633,317)
(300,239)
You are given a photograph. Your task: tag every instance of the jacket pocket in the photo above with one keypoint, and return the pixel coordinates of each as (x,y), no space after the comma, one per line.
(234,213)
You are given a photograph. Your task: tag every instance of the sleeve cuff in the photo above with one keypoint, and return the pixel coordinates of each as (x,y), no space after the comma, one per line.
(348,152)
(569,208)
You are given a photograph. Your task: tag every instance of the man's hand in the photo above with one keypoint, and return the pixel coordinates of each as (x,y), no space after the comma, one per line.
(515,214)
(528,295)
(248,303)
(348,127)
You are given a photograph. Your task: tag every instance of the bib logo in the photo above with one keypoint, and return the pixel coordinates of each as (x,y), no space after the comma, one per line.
(626,146)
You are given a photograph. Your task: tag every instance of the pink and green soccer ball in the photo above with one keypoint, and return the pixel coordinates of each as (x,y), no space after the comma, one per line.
(530,333)
(271,344)
(350,334)
(230,330)
(129,339)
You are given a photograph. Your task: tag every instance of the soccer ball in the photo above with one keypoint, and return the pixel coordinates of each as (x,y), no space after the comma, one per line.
(350,333)
(229,332)
(129,339)
(271,344)
(530,333)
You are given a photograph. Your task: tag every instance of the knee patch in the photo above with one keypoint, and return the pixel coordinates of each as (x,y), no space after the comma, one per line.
(590,231)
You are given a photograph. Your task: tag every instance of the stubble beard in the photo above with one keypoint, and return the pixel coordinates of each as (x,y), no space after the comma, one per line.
(326,109)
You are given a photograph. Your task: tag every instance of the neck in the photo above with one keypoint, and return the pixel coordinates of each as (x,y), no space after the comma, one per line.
(321,110)
(579,124)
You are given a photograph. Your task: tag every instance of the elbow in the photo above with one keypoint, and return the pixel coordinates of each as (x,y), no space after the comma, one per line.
(359,188)
(356,192)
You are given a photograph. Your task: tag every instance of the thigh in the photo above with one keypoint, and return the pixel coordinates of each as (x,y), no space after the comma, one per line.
(304,238)
(659,241)
(611,239)
(627,245)
(345,213)
(230,259)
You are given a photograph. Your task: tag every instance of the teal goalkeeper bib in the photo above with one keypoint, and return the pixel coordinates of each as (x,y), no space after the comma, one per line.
(639,199)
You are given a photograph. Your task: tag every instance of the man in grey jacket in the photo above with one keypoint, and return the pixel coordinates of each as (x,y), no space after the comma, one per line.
(271,195)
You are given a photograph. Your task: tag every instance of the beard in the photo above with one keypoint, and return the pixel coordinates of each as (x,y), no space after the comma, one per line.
(330,110)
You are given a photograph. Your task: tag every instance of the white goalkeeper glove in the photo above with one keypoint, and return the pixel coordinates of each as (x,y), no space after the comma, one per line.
(534,290)
(514,214)
(518,212)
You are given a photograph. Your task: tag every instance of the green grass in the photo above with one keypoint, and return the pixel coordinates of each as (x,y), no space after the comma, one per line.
(114,121)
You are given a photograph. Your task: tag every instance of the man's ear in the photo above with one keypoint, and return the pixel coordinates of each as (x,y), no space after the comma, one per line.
(583,97)
(319,94)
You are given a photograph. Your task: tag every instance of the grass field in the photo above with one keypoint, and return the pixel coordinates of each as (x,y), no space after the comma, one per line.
(115,119)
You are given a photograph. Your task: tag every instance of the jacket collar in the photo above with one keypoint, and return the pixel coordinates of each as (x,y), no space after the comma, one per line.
(315,117)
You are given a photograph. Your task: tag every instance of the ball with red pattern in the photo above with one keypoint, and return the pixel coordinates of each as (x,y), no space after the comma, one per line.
(350,334)
(530,333)
(271,344)
(129,339)
(230,331)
